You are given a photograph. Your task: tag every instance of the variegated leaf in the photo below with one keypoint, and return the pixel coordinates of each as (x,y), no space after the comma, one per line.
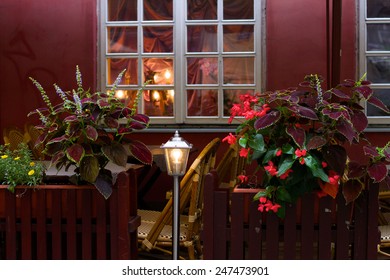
(269,119)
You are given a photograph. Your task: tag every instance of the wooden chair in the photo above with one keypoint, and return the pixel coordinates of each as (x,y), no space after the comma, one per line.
(155,232)
(383,221)
(36,148)
(14,136)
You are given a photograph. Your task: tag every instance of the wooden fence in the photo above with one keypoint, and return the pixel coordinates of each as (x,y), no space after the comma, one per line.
(235,229)
(70,222)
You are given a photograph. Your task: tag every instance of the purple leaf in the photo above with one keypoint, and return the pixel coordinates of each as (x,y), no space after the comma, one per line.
(141,118)
(58,139)
(304,112)
(370,151)
(366,91)
(103,103)
(345,128)
(141,152)
(269,119)
(378,103)
(340,93)
(316,142)
(71,118)
(351,190)
(377,171)
(75,153)
(91,133)
(332,114)
(336,157)
(111,122)
(359,121)
(356,170)
(297,134)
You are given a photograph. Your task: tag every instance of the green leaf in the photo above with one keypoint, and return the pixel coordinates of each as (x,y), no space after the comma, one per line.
(89,169)
(316,168)
(243,141)
(257,143)
(285,165)
(283,194)
(116,153)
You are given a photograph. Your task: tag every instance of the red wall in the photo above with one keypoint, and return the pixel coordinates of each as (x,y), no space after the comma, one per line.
(44,39)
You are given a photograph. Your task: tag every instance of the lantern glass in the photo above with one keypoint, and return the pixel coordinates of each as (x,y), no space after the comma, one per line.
(176,151)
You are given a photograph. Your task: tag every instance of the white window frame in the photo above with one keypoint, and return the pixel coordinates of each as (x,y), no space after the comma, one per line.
(179,52)
(375,122)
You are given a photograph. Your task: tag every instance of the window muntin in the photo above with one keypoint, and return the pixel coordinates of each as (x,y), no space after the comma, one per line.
(209,50)
(375,54)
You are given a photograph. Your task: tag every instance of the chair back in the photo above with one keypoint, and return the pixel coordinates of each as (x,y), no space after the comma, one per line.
(14,136)
(191,195)
(35,146)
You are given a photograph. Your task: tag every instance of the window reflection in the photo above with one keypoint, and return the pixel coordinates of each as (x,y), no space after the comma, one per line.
(378,69)
(378,8)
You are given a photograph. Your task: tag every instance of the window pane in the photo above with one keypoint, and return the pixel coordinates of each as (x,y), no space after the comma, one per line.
(201,9)
(158,39)
(202,38)
(157,9)
(238,38)
(238,70)
(202,102)
(129,96)
(158,102)
(378,69)
(384,95)
(230,97)
(116,65)
(378,8)
(159,71)
(119,10)
(122,39)
(237,9)
(202,70)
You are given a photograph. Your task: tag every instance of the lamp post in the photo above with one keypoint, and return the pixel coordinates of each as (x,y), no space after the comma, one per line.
(176,152)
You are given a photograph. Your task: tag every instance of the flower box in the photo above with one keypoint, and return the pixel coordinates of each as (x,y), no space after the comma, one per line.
(351,232)
(69,221)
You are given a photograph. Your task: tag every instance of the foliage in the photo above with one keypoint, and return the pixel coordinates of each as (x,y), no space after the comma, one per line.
(18,168)
(87,130)
(299,138)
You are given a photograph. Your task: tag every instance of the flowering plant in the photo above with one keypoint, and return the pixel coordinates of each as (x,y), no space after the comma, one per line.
(85,130)
(298,137)
(18,168)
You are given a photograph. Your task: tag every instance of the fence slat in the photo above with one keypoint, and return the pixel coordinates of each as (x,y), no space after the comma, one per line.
(272,236)
(71,225)
(343,225)
(325,228)
(56,224)
(237,226)
(290,233)
(307,224)
(25,225)
(41,225)
(86,225)
(10,220)
(255,236)
(101,227)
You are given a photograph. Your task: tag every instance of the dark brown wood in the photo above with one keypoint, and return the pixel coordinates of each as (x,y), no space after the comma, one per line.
(290,233)
(237,226)
(70,222)
(323,229)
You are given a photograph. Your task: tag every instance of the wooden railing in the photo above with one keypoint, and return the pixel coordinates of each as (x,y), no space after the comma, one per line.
(70,222)
(235,229)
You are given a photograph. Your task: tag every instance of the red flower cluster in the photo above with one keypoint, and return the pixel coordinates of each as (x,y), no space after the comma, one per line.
(267,205)
(244,109)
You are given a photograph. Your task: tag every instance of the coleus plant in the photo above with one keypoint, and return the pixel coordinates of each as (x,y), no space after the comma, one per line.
(87,130)
(299,137)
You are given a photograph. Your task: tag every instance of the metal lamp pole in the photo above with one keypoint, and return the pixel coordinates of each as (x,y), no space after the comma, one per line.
(176,153)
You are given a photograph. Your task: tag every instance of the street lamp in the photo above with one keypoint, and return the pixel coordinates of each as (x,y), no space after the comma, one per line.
(176,152)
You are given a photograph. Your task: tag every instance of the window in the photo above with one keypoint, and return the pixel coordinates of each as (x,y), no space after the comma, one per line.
(197,55)
(375,54)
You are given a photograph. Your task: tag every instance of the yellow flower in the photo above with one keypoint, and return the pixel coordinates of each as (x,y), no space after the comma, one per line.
(32,163)
(17,158)
(31,172)
(4,156)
